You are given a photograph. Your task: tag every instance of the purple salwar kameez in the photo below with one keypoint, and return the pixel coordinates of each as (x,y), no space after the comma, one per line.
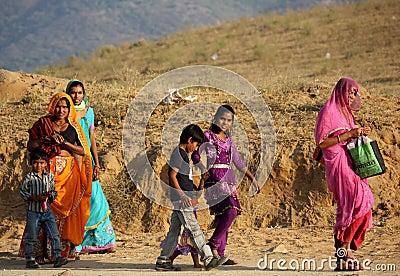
(220,187)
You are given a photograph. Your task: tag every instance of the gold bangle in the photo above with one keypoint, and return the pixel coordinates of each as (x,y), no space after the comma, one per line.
(338,138)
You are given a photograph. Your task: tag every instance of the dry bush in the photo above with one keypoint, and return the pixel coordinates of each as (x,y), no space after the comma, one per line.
(284,57)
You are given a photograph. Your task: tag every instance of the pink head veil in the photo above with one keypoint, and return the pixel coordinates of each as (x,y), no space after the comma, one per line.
(336,114)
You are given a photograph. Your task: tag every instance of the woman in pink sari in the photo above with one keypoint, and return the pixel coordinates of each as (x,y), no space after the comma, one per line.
(335,127)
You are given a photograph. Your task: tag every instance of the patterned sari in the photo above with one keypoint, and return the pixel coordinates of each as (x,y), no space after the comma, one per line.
(73,175)
(99,234)
(352,195)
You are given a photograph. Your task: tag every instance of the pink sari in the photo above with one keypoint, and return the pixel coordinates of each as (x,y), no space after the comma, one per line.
(352,195)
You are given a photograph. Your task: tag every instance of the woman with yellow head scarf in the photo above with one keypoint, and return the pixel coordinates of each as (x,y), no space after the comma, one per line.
(61,136)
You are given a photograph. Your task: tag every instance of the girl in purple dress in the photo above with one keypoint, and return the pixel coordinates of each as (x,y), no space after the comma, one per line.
(220,187)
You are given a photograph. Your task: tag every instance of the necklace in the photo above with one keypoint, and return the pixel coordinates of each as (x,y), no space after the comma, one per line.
(59,126)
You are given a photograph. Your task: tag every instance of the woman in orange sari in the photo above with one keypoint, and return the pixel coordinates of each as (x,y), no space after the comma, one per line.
(61,136)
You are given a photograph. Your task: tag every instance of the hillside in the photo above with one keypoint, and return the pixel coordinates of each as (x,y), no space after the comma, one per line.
(285,57)
(35,33)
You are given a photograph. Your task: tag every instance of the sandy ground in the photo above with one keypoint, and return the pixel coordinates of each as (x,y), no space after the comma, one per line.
(137,254)
(294,198)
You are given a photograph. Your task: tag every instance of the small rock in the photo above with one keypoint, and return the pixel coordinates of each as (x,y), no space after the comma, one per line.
(388,137)
(111,163)
(278,249)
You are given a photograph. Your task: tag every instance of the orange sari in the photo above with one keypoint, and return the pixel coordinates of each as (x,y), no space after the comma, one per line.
(73,182)
(71,208)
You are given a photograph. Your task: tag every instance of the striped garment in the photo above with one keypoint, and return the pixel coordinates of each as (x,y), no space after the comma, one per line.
(33,185)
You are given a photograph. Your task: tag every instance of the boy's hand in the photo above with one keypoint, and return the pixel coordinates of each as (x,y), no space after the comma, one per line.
(186,201)
(194,201)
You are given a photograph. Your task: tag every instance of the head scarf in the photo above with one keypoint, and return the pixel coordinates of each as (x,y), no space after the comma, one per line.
(43,127)
(54,101)
(72,117)
(336,114)
(73,83)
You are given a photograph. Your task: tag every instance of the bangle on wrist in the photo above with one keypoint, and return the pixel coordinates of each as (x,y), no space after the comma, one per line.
(338,138)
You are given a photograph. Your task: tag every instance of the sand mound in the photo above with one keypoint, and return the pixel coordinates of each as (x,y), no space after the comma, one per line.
(294,195)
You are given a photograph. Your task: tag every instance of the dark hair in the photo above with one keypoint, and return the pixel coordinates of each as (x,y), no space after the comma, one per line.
(37,154)
(225,108)
(191,131)
(74,83)
(66,100)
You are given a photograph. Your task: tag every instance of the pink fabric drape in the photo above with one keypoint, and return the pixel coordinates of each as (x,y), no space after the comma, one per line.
(352,195)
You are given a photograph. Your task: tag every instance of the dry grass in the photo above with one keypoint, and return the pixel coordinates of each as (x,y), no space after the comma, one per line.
(293,46)
(284,57)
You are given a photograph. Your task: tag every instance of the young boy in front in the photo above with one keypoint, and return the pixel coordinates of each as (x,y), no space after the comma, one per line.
(37,189)
(181,193)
